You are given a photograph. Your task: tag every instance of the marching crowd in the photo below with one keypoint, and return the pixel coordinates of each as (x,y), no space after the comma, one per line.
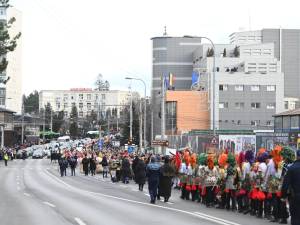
(265,185)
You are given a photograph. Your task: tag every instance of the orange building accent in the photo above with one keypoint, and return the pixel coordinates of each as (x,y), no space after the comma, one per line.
(192,110)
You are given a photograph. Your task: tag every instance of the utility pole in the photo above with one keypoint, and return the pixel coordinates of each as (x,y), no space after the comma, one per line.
(163,117)
(141,126)
(51,119)
(152,133)
(130,124)
(22,125)
(44,124)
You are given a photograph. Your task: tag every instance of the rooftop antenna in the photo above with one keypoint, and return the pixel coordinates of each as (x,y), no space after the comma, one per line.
(165,31)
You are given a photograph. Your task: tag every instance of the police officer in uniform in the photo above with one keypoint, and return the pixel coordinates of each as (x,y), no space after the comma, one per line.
(291,187)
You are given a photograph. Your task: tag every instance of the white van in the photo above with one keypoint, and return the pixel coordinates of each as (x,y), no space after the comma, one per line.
(64,139)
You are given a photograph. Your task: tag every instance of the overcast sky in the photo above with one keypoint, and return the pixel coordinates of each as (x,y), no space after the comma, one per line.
(66,43)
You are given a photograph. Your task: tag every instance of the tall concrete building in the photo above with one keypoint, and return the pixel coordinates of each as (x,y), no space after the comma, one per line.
(14,69)
(171,55)
(286,50)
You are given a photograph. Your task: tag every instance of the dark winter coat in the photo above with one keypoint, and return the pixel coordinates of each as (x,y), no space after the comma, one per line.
(92,164)
(140,172)
(134,164)
(104,161)
(85,164)
(153,173)
(167,172)
(126,171)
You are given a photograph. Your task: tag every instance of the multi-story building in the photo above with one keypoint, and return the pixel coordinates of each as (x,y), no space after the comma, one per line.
(13,98)
(86,100)
(286,51)
(171,55)
(249,87)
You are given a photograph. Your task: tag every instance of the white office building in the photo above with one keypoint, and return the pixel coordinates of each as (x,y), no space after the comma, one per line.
(86,100)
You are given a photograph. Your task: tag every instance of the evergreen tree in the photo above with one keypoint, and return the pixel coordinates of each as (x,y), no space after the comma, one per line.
(7,43)
(125,128)
(224,52)
(236,51)
(73,129)
(31,102)
(58,121)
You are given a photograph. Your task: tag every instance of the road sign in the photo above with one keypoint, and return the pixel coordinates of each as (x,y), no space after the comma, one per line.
(160,143)
(214,141)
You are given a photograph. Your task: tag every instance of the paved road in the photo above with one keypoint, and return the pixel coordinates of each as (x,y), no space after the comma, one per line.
(32,193)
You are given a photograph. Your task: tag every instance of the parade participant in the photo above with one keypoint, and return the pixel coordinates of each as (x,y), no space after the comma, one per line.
(202,161)
(230,182)
(167,172)
(85,165)
(104,164)
(140,173)
(221,196)
(246,183)
(5,157)
(133,166)
(93,165)
(211,178)
(291,189)
(126,171)
(113,168)
(73,164)
(153,173)
(183,174)
(195,178)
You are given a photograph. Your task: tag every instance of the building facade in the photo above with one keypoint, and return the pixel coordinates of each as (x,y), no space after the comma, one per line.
(13,97)
(86,100)
(171,55)
(249,87)
(286,51)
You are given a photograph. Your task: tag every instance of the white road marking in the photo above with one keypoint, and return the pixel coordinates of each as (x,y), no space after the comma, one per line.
(79,221)
(170,203)
(218,219)
(26,194)
(203,216)
(146,194)
(49,204)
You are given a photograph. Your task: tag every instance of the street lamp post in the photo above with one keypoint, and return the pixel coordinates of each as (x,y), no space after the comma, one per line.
(213,83)
(145,104)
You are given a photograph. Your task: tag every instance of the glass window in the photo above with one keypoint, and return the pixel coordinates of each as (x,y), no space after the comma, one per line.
(271,88)
(102,96)
(286,105)
(80,96)
(171,116)
(89,106)
(223,105)
(278,122)
(89,96)
(238,122)
(269,123)
(255,105)
(239,105)
(295,122)
(65,105)
(80,105)
(254,88)
(286,122)
(66,114)
(80,114)
(2,101)
(271,105)
(255,122)
(239,87)
(223,87)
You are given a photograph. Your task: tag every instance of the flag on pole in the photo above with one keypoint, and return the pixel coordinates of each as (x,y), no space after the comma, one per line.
(171,79)
(195,77)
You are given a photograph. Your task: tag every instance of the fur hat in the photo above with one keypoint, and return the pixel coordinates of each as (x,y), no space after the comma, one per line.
(288,154)
(223,160)
(262,157)
(249,156)
(275,153)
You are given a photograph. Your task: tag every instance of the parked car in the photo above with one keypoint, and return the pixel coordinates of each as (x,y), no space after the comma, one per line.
(38,154)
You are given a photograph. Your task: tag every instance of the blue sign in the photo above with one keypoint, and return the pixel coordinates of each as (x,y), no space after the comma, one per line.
(130,149)
(195,77)
(100,144)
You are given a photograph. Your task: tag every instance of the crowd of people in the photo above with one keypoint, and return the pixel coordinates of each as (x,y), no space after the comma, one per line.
(259,183)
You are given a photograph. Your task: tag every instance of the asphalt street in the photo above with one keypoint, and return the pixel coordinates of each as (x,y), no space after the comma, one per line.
(33,193)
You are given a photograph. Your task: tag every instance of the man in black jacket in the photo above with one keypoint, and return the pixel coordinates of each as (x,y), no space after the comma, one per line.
(291,186)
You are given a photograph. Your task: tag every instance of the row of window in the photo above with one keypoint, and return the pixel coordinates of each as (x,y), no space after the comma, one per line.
(252,122)
(80,105)
(80,97)
(241,105)
(224,87)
